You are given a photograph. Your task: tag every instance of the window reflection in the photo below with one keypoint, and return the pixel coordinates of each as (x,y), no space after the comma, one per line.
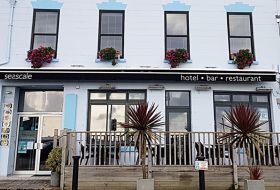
(177,98)
(41,101)
(98,118)
(178,122)
(176,24)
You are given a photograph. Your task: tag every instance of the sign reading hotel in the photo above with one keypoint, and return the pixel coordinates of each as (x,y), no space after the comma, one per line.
(6,124)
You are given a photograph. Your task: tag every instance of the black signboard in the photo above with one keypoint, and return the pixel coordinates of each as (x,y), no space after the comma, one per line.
(140,75)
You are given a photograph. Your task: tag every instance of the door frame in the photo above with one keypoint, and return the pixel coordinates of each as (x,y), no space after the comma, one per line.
(36,170)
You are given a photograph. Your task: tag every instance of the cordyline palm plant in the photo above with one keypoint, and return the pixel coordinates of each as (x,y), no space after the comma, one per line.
(143,121)
(245,129)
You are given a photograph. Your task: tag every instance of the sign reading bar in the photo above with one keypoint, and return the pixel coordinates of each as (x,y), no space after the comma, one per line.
(141,75)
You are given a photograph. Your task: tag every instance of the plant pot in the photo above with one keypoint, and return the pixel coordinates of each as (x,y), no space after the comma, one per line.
(55,179)
(145,184)
(254,185)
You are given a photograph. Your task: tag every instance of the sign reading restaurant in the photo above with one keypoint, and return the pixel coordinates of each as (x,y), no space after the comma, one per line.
(142,75)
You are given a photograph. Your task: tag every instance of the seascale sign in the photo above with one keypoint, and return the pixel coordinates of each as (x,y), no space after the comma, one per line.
(228,76)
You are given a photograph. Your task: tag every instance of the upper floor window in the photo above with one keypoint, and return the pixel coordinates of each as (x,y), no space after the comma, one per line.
(176,30)
(111,30)
(45,28)
(240,32)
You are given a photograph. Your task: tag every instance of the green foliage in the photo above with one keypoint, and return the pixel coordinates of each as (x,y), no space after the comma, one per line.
(54,160)
(108,54)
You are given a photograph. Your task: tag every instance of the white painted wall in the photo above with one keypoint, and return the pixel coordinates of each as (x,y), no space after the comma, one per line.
(144,33)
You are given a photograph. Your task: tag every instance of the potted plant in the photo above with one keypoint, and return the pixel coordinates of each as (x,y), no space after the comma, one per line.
(143,121)
(109,54)
(177,56)
(40,55)
(245,130)
(243,58)
(255,182)
(53,163)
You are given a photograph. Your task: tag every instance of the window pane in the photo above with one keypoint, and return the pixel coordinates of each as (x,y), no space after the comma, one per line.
(264,117)
(41,101)
(117,96)
(46,22)
(111,23)
(259,98)
(222,98)
(221,122)
(178,121)
(176,42)
(118,113)
(136,96)
(98,117)
(111,41)
(177,99)
(98,96)
(240,98)
(239,43)
(176,24)
(239,25)
(46,41)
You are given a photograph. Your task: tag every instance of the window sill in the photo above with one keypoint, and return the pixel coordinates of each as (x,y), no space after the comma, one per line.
(53,60)
(188,62)
(254,63)
(118,61)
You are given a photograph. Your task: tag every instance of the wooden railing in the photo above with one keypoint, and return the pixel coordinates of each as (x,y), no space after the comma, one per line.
(171,148)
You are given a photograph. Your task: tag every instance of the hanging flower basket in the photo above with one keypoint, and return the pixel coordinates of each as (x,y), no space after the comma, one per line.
(39,56)
(243,58)
(109,54)
(177,56)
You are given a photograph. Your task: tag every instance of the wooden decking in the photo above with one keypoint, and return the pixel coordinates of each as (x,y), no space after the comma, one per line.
(109,161)
(166,178)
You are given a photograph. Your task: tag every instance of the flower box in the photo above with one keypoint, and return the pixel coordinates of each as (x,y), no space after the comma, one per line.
(39,56)
(109,54)
(177,56)
(243,58)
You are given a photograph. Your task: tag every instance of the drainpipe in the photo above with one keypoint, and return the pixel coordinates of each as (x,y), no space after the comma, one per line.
(13,5)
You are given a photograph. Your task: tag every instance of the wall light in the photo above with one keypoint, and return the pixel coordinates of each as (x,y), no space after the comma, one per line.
(107,86)
(156,87)
(202,87)
(263,89)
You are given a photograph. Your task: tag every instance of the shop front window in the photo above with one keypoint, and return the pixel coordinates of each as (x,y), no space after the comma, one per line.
(106,106)
(225,101)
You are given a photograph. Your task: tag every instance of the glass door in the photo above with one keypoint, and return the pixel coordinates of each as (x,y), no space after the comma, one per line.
(27,142)
(35,141)
(49,124)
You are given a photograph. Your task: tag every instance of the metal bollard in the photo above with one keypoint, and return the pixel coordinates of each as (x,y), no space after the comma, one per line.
(201,174)
(75,172)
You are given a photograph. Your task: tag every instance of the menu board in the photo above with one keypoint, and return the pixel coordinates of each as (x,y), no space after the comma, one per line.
(6,124)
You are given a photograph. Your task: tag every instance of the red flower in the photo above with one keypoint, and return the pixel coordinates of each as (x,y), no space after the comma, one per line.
(40,56)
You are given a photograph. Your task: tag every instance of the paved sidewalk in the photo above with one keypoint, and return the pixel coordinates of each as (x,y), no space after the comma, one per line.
(27,182)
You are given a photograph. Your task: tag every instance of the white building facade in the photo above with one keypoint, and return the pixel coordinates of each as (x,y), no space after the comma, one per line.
(80,92)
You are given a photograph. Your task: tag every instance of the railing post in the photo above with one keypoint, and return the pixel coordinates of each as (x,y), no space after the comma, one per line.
(149,163)
(234,166)
(55,138)
(64,148)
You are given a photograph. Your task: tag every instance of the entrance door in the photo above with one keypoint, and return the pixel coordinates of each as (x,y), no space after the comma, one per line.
(35,141)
